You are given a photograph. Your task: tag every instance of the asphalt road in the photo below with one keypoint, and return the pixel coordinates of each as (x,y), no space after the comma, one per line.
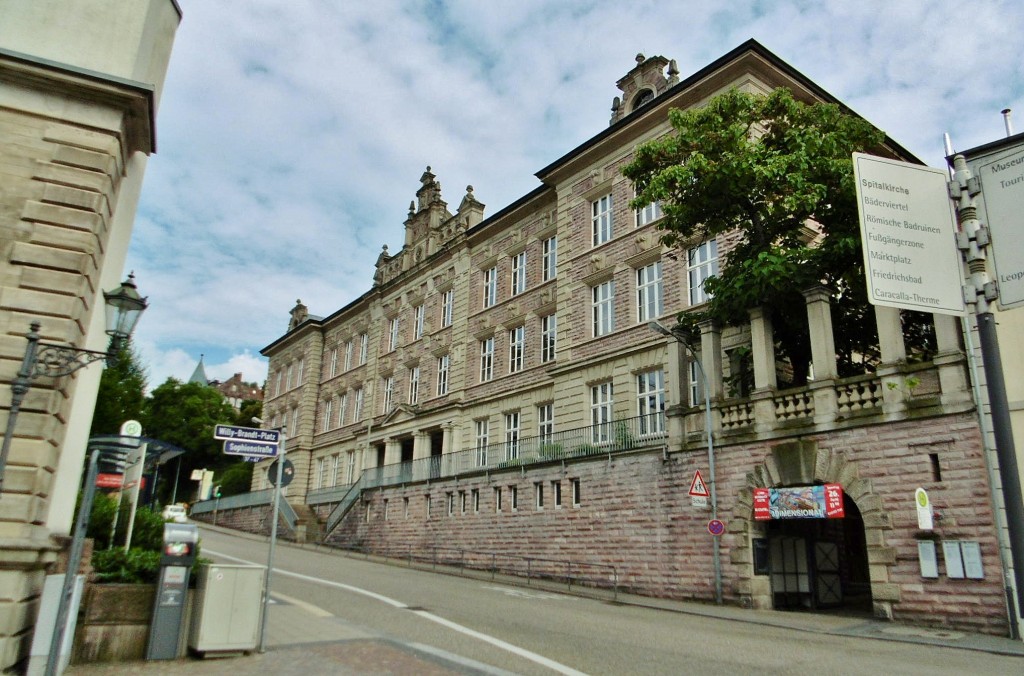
(530,631)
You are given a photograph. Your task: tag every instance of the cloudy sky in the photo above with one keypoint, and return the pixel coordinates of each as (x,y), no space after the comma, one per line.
(292,134)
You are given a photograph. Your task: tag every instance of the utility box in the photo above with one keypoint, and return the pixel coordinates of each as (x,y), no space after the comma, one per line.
(228,610)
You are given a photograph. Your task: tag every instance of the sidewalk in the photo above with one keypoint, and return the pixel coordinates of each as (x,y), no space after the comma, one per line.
(303,640)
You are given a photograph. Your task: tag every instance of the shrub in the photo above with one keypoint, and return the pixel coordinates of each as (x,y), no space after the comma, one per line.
(134,566)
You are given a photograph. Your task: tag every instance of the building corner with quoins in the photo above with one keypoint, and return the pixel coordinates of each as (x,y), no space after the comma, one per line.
(80,84)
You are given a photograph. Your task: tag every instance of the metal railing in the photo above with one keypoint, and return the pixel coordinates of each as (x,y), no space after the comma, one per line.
(533,568)
(607,438)
(252,499)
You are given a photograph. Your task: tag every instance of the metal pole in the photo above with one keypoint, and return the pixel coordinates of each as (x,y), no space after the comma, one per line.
(74,560)
(273,541)
(19,388)
(716,554)
(966,187)
(174,490)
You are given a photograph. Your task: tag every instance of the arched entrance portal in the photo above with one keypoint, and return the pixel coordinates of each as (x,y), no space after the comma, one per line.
(862,560)
(819,564)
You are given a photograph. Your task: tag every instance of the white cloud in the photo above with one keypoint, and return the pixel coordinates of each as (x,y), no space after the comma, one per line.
(291,136)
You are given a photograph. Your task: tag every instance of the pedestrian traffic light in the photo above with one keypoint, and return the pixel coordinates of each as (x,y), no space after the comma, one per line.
(216,491)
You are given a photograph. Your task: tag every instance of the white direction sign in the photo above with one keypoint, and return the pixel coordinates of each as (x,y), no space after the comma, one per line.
(250,448)
(908,234)
(254,434)
(1001,172)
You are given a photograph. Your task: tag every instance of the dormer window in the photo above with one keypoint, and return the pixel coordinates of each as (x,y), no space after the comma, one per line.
(643,97)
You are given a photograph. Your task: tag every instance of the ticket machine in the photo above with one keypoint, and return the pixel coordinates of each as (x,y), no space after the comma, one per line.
(176,559)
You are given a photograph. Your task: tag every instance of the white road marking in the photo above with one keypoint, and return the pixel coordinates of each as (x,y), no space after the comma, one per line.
(486,638)
(523,594)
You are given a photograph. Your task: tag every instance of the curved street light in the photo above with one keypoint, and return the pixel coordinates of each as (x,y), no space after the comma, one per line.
(659,328)
(124,306)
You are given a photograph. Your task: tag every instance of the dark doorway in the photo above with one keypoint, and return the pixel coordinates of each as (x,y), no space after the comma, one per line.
(406,459)
(436,449)
(819,564)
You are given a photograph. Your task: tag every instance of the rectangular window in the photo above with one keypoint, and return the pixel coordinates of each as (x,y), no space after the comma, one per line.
(328,412)
(462,502)
(414,385)
(280,376)
(556,493)
(490,287)
(389,394)
(321,472)
(696,387)
(601,413)
(447,303)
(442,374)
(518,273)
(497,498)
(545,422)
(486,359)
(334,362)
(348,355)
(335,469)
(648,292)
(288,381)
(516,343)
(512,435)
(294,428)
(649,214)
(386,510)
(418,315)
(357,412)
(538,494)
(298,376)
(350,471)
(364,341)
(426,505)
(701,263)
(650,393)
(513,498)
(603,308)
(451,503)
(549,262)
(575,492)
(482,440)
(393,334)
(476,500)
(601,219)
(548,335)
(342,405)
(405,508)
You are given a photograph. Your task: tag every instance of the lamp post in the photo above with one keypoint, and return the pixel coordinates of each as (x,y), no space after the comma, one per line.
(124,306)
(716,555)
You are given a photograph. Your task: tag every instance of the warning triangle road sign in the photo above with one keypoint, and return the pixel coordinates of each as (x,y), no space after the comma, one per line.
(697,487)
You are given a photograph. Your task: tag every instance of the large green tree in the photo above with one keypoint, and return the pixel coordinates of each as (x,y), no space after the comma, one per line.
(184,414)
(776,175)
(121,394)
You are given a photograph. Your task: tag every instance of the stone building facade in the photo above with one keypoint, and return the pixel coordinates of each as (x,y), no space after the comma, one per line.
(79,84)
(498,392)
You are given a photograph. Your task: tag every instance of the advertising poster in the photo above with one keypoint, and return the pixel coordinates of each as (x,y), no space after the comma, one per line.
(799,502)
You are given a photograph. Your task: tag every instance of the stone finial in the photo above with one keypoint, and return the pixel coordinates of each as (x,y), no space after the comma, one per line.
(640,58)
(412,207)
(298,314)
(673,73)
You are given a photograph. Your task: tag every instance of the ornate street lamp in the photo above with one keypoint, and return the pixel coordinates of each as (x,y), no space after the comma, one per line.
(124,305)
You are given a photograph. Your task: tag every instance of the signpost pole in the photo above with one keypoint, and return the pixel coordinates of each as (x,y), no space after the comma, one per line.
(273,540)
(964,190)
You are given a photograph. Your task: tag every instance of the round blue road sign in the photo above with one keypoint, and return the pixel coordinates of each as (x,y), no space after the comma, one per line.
(716,527)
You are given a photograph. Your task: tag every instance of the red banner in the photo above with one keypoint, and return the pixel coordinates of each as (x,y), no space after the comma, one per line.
(109,480)
(762,500)
(834,501)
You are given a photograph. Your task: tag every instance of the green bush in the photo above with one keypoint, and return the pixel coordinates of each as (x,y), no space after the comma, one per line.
(134,566)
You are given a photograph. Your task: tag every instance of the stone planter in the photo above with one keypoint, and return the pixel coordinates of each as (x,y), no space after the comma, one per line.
(113,623)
